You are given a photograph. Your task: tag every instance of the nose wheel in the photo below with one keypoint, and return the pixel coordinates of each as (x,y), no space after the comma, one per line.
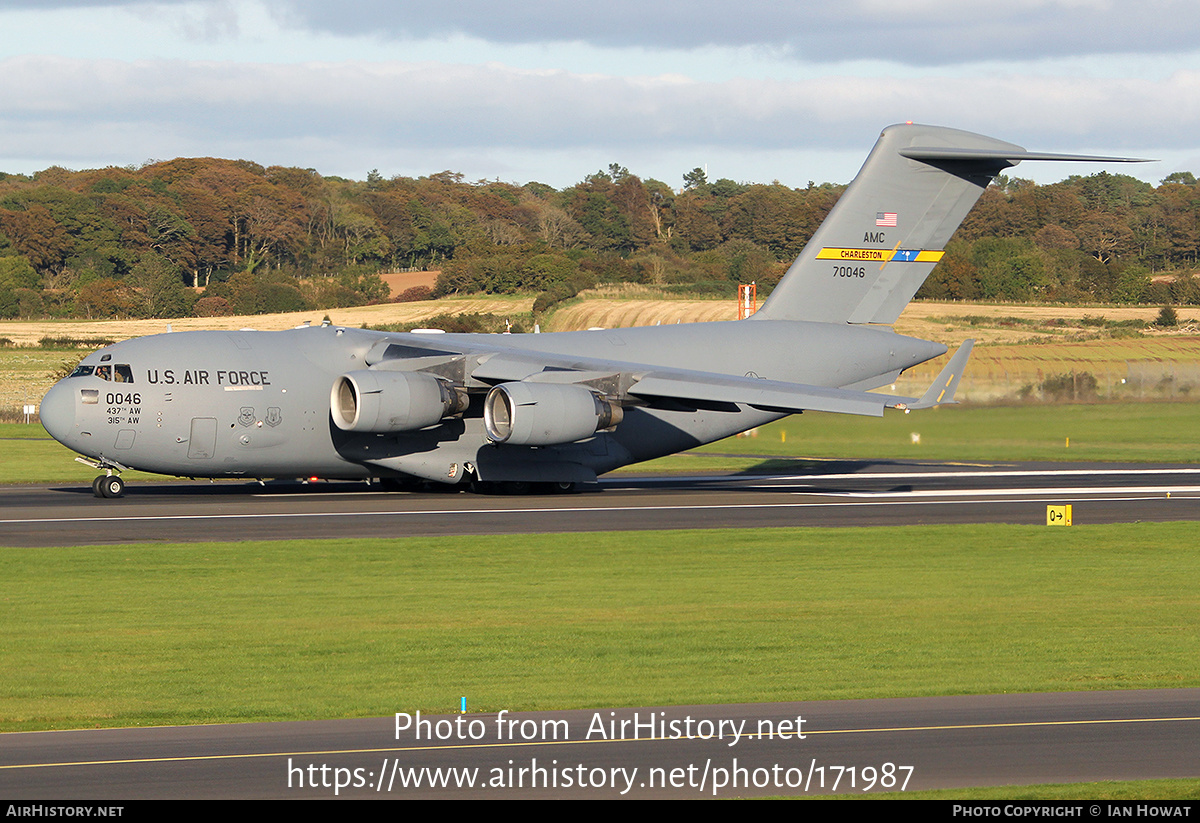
(108,486)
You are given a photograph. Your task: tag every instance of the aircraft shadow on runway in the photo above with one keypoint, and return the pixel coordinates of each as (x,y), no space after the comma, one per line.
(773,473)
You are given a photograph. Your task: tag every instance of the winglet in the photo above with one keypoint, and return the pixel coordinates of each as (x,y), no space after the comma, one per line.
(943,388)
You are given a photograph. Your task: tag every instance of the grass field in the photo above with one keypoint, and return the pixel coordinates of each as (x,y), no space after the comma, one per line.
(25,373)
(1133,369)
(29,455)
(163,634)
(28,332)
(1116,432)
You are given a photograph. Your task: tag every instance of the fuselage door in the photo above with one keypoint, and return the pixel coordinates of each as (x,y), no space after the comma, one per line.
(203,442)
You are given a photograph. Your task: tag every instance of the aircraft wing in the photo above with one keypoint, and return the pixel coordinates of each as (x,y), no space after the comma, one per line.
(794,397)
(500,364)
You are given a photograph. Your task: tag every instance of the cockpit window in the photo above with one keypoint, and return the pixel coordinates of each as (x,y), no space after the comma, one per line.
(117,373)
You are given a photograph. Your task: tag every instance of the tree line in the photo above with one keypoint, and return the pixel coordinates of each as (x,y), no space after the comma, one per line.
(206,236)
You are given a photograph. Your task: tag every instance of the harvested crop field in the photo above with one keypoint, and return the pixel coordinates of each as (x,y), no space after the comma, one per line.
(29,332)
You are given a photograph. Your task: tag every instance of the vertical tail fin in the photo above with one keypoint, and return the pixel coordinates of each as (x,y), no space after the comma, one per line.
(888,230)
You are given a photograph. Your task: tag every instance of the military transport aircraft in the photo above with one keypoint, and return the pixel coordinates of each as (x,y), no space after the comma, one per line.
(547,411)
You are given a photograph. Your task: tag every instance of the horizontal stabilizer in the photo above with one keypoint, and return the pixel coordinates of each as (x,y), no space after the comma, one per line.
(1010,157)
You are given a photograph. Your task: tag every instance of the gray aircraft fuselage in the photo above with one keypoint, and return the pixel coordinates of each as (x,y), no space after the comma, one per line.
(251,403)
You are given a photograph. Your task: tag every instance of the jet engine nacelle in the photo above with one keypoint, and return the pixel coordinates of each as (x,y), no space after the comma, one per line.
(546,414)
(390,401)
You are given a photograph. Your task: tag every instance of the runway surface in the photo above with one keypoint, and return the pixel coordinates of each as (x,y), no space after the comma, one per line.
(717,751)
(838,493)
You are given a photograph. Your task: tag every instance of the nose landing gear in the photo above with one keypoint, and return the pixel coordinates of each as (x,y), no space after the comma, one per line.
(108,485)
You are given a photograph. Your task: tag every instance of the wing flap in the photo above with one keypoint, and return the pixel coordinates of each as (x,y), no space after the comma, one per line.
(752,391)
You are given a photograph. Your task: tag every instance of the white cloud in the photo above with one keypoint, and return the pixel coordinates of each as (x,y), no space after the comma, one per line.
(552,90)
(927,32)
(914,33)
(128,111)
(462,105)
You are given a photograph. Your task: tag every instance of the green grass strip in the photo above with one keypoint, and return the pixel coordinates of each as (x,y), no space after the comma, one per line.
(162,634)
(1116,432)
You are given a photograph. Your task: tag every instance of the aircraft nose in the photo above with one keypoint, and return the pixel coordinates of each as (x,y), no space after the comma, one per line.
(58,412)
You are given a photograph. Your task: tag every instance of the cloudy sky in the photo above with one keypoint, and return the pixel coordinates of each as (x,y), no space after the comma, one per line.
(552,90)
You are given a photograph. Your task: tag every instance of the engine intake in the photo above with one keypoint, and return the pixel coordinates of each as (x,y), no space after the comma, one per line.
(388,401)
(546,414)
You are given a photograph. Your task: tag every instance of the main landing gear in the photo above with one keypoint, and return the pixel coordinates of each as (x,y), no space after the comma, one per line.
(109,486)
